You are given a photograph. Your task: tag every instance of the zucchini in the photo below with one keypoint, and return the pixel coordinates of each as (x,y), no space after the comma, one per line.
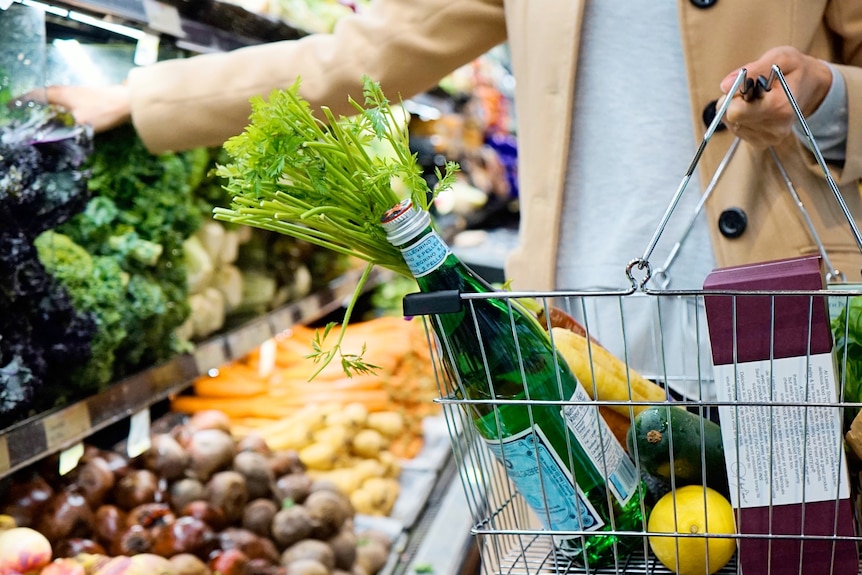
(657,427)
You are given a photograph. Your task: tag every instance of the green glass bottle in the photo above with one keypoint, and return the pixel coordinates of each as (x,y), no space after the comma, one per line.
(564,461)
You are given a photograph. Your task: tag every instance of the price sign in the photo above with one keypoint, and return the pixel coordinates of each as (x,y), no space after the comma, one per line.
(5,463)
(164,18)
(66,425)
(139,433)
(147,50)
(266,358)
(69,458)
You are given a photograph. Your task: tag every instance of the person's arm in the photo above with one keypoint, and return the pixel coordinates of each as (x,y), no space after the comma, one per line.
(828,123)
(406,45)
(844,20)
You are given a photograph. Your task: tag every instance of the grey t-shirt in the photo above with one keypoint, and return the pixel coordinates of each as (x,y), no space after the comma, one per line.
(631,144)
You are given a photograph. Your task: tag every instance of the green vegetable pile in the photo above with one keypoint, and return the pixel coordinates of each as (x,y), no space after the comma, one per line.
(43,337)
(141,212)
(847,335)
(96,286)
(317,179)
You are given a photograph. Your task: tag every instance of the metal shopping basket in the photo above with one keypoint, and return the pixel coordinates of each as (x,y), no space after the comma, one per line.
(813,537)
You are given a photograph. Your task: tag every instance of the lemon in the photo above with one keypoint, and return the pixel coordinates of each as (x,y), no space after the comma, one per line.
(692,555)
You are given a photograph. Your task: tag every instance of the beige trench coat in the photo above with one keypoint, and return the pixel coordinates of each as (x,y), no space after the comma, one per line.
(408,45)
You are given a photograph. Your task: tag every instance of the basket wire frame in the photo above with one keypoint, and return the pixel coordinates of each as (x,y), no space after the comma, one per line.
(510,536)
(511,539)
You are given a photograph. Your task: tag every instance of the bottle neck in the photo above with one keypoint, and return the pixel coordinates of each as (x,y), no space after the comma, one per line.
(425,252)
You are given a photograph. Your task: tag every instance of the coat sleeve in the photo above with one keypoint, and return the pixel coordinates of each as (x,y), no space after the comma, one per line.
(406,45)
(844,17)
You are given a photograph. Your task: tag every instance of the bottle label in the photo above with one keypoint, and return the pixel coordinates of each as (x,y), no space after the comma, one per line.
(542,479)
(601,446)
(426,255)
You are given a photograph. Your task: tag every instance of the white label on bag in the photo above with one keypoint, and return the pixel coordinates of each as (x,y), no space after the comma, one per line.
(781,454)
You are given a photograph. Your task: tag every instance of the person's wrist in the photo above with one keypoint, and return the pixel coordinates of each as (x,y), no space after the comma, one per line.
(122,105)
(822,75)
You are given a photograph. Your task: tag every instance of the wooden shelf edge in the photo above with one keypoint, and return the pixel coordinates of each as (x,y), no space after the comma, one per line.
(31,440)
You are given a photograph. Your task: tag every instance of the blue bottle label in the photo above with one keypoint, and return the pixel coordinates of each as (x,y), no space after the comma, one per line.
(544,482)
(426,255)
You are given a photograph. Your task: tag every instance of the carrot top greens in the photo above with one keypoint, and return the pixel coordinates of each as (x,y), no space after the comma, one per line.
(327,181)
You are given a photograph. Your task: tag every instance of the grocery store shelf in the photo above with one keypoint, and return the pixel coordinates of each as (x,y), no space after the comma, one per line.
(197,26)
(33,439)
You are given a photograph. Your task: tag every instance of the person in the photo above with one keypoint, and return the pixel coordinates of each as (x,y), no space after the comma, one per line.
(611,99)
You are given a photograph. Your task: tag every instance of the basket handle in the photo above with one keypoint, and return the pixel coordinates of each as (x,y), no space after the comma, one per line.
(750,89)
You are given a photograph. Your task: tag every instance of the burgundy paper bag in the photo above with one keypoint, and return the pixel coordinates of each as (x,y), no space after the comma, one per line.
(762,347)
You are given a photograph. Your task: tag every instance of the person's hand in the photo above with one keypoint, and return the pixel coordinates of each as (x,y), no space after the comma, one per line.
(768,120)
(103,108)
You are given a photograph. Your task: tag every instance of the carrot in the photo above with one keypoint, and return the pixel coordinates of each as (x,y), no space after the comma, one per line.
(229,386)
(234,407)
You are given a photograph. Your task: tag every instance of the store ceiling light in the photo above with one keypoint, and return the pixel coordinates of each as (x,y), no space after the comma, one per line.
(86,19)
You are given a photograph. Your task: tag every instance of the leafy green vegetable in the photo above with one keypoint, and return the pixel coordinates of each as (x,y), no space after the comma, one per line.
(316,179)
(42,184)
(97,286)
(847,333)
(142,211)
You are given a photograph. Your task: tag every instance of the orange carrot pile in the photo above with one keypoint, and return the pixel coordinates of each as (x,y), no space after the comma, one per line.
(265,387)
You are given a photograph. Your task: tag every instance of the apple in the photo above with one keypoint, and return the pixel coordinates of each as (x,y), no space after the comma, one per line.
(23,549)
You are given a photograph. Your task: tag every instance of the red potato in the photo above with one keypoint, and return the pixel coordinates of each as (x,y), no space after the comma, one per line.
(66,514)
(166,457)
(95,479)
(26,500)
(75,546)
(150,515)
(22,550)
(230,562)
(135,539)
(185,535)
(138,487)
(206,512)
(109,522)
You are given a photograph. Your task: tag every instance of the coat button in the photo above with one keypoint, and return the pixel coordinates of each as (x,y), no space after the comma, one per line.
(732,222)
(709,113)
(703,3)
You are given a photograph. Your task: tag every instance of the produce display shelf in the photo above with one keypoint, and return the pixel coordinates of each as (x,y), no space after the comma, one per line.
(33,439)
(199,26)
